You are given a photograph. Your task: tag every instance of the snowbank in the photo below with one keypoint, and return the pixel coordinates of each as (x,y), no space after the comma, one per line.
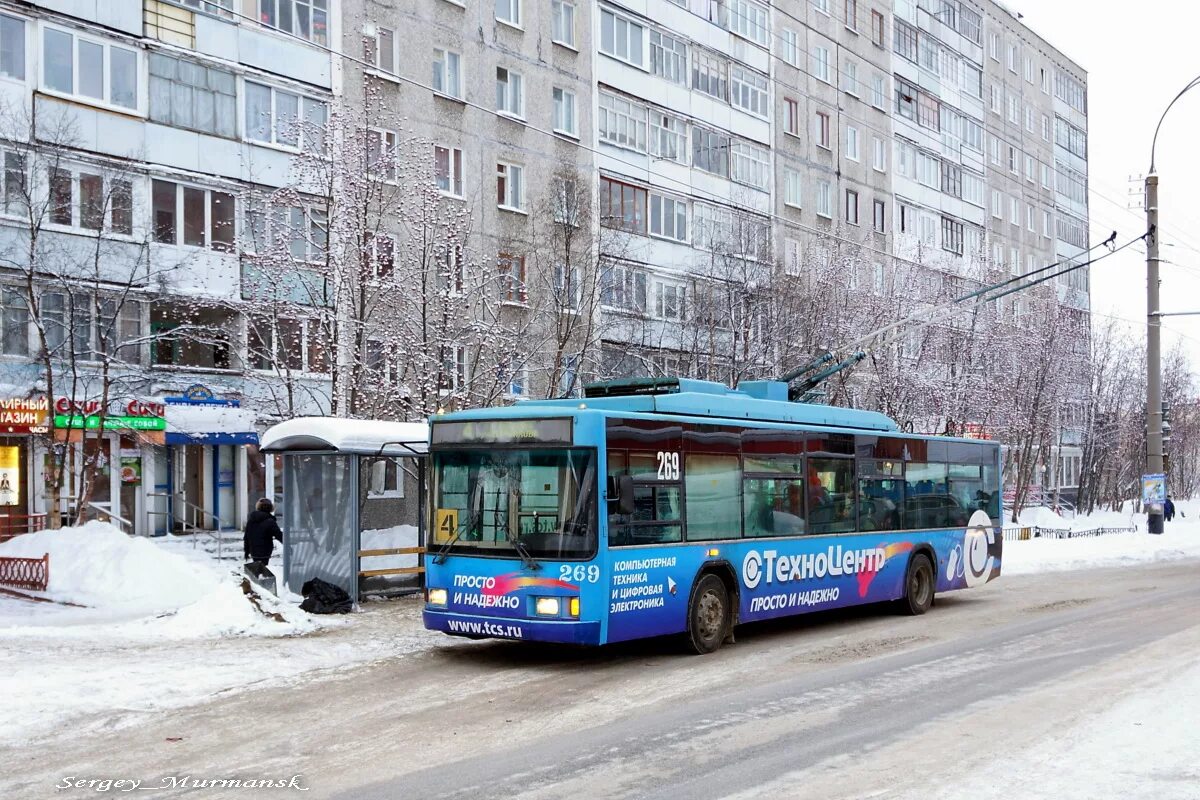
(97,565)
(134,589)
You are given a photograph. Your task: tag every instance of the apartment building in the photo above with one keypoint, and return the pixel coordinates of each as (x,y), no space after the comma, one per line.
(133,132)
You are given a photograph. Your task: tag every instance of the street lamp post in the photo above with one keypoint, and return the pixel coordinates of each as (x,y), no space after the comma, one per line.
(1154,434)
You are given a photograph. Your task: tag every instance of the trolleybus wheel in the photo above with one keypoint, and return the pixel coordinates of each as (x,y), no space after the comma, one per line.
(708,615)
(918,586)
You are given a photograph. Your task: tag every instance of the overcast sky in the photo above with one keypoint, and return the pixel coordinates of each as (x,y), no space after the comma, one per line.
(1137,56)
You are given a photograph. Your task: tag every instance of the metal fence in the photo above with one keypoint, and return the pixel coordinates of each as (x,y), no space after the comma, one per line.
(25,573)
(1017,533)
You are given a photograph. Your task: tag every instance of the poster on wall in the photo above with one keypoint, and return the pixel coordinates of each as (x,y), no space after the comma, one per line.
(131,469)
(10,476)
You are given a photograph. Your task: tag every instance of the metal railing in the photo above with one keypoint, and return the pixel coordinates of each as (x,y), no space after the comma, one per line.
(192,521)
(12,525)
(1017,533)
(102,509)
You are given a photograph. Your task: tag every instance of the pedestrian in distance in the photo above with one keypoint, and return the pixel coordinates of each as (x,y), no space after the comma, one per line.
(261,533)
(1169,509)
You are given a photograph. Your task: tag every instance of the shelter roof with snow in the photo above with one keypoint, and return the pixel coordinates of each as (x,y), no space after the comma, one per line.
(367,437)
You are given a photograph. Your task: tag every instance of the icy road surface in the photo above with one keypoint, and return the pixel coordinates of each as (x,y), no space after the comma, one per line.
(1067,685)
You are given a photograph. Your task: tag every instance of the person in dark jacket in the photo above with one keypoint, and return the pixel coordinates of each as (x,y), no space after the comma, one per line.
(261,530)
(1168,509)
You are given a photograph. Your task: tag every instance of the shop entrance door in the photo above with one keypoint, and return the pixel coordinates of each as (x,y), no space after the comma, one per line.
(193,508)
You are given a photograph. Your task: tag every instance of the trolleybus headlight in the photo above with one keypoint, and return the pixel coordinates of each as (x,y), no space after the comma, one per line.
(546,606)
(573,607)
(437,597)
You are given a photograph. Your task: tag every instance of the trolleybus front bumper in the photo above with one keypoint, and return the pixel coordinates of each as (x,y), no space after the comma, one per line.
(533,630)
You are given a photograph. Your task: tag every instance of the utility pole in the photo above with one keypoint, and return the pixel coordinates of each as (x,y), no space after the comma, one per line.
(1154,439)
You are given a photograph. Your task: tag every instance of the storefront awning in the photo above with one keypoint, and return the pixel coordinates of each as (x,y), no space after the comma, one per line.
(357,436)
(210,424)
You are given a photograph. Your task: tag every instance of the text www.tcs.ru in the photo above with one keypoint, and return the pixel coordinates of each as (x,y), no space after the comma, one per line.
(485,629)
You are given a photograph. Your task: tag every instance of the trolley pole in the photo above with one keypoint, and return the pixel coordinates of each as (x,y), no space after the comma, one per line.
(1154,436)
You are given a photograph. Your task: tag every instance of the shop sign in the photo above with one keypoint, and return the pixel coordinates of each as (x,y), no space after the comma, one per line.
(10,476)
(145,408)
(112,423)
(24,415)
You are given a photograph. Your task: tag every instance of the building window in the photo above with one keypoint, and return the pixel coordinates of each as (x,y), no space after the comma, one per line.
(821,63)
(709,74)
(791,47)
(448,169)
(791,188)
(906,99)
(748,90)
(669,300)
(14,323)
(791,256)
(751,164)
(378,257)
(851,206)
(387,478)
(510,95)
(447,73)
(1014,55)
(622,122)
(668,137)
(184,94)
(622,206)
(562,24)
(89,68)
(880,211)
(191,216)
(850,78)
(624,288)
(566,287)
(308,19)
(879,159)
(1029,218)
(791,116)
(952,179)
(510,193)
(509,11)
(564,111)
(749,20)
(877,28)
(668,57)
(668,217)
(381,153)
(512,278)
(12,47)
(852,143)
(379,49)
(620,37)
(852,14)
(82,199)
(710,151)
(303,232)
(822,6)
(822,129)
(278,117)
(905,40)
(879,92)
(824,199)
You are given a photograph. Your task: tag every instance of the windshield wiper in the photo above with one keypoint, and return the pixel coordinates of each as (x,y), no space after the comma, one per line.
(527,558)
(444,550)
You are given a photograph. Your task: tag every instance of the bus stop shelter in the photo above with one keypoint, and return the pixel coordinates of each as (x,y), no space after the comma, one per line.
(353,491)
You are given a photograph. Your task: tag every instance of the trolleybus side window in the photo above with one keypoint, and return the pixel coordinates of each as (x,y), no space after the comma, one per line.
(713,486)
(927,499)
(657,503)
(830,492)
(774,496)
(880,495)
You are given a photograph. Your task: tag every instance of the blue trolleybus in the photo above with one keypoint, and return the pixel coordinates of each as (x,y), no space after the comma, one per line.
(657,507)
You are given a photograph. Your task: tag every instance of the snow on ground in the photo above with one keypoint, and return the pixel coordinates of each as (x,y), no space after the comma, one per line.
(1180,539)
(165,625)
(1144,746)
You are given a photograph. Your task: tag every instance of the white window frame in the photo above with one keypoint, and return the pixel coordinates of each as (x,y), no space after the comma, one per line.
(377,488)
(180,222)
(663,207)
(824,199)
(879,92)
(76,171)
(140,97)
(454,157)
(302,104)
(566,112)
(793,188)
(852,198)
(791,47)
(514,176)
(879,158)
(754,85)
(750,21)
(447,65)
(512,102)
(631,30)
(562,23)
(750,164)
(378,50)
(512,9)
(622,123)
(312,5)
(852,148)
(668,57)
(821,63)
(664,129)
(676,292)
